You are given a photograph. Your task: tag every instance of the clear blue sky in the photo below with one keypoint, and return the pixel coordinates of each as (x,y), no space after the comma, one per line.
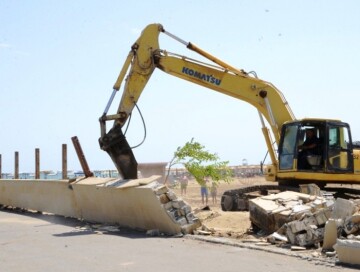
(60,59)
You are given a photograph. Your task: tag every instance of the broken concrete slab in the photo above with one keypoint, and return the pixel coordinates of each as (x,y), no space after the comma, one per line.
(139,204)
(348,251)
(270,212)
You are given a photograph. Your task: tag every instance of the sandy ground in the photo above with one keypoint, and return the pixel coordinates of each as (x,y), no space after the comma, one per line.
(223,224)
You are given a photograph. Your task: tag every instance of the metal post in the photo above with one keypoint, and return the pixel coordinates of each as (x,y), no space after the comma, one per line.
(37,163)
(64,161)
(16,174)
(81,157)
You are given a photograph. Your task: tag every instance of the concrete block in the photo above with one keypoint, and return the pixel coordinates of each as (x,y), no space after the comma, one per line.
(301,240)
(318,203)
(348,251)
(309,220)
(168,206)
(163,199)
(287,196)
(174,214)
(330,234)
(314,235)
(190,217)
(161,190)
(296,226)
(290,235)
(182,221)
(178,203)
(171,195)
(301,208)
(261,214)
(310,189)
(186,209)
(322,216)
(343,208)
(281,218)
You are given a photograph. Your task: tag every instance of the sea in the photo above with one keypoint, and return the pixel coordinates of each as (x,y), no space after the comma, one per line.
(57,175)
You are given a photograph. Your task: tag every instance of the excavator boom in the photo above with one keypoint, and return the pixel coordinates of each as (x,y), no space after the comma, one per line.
(146,55)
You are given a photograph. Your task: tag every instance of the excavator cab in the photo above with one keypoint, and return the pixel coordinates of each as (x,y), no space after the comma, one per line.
(331,147)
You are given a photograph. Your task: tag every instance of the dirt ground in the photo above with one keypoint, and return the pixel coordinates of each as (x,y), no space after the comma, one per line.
(223,224)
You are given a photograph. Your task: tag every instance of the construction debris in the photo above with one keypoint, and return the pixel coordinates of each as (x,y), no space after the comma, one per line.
(304,221)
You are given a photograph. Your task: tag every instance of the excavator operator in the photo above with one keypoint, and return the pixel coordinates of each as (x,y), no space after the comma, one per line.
(308,148)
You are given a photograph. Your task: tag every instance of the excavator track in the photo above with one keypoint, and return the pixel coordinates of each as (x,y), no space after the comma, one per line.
(238,199)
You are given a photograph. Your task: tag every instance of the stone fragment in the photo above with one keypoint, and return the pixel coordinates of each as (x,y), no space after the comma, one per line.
(174,214)
(178,203)
(355,218)
(279,237)
(330,234)
(182,221)
(322,216)
(348,251)
(309,221)
(310,189)
(186,209)
(167,206)
(297,248)
(163,198)
(296,226)
(350,227)
(161,190)
(153,232)
(171,195)
(190,228)
(343,208)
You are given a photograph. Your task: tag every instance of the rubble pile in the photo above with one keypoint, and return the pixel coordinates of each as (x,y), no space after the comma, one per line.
(310,220)
(178,210)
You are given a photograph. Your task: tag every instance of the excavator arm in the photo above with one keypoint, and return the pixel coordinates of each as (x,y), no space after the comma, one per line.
(145,56)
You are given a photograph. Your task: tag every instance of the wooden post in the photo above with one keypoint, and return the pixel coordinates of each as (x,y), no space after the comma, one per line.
(16,174)
(0,167)
(64,161)
(81,156)
(37,163)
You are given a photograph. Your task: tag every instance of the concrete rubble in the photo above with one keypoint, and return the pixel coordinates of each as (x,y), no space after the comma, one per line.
(306,220)
(178,210)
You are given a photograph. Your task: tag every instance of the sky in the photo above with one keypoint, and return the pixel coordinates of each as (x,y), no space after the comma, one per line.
(60,59)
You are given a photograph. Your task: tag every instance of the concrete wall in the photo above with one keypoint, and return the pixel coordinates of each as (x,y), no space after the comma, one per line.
(138,203)
(151,169)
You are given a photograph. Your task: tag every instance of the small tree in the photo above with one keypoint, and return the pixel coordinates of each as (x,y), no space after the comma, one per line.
(200,163)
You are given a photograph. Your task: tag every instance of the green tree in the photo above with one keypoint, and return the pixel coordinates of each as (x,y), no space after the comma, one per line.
(201,163)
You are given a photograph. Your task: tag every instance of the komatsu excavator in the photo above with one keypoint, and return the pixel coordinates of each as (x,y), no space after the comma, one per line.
(334,159)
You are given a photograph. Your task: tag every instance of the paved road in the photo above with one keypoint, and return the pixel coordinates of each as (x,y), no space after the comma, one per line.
(36,242)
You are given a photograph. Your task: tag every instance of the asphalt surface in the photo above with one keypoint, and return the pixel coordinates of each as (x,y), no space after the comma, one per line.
(40,242)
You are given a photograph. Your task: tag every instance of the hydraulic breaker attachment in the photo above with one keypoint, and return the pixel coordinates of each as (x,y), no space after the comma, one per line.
(116,145)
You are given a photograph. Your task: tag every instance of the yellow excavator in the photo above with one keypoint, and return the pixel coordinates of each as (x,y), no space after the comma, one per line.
(335,159)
